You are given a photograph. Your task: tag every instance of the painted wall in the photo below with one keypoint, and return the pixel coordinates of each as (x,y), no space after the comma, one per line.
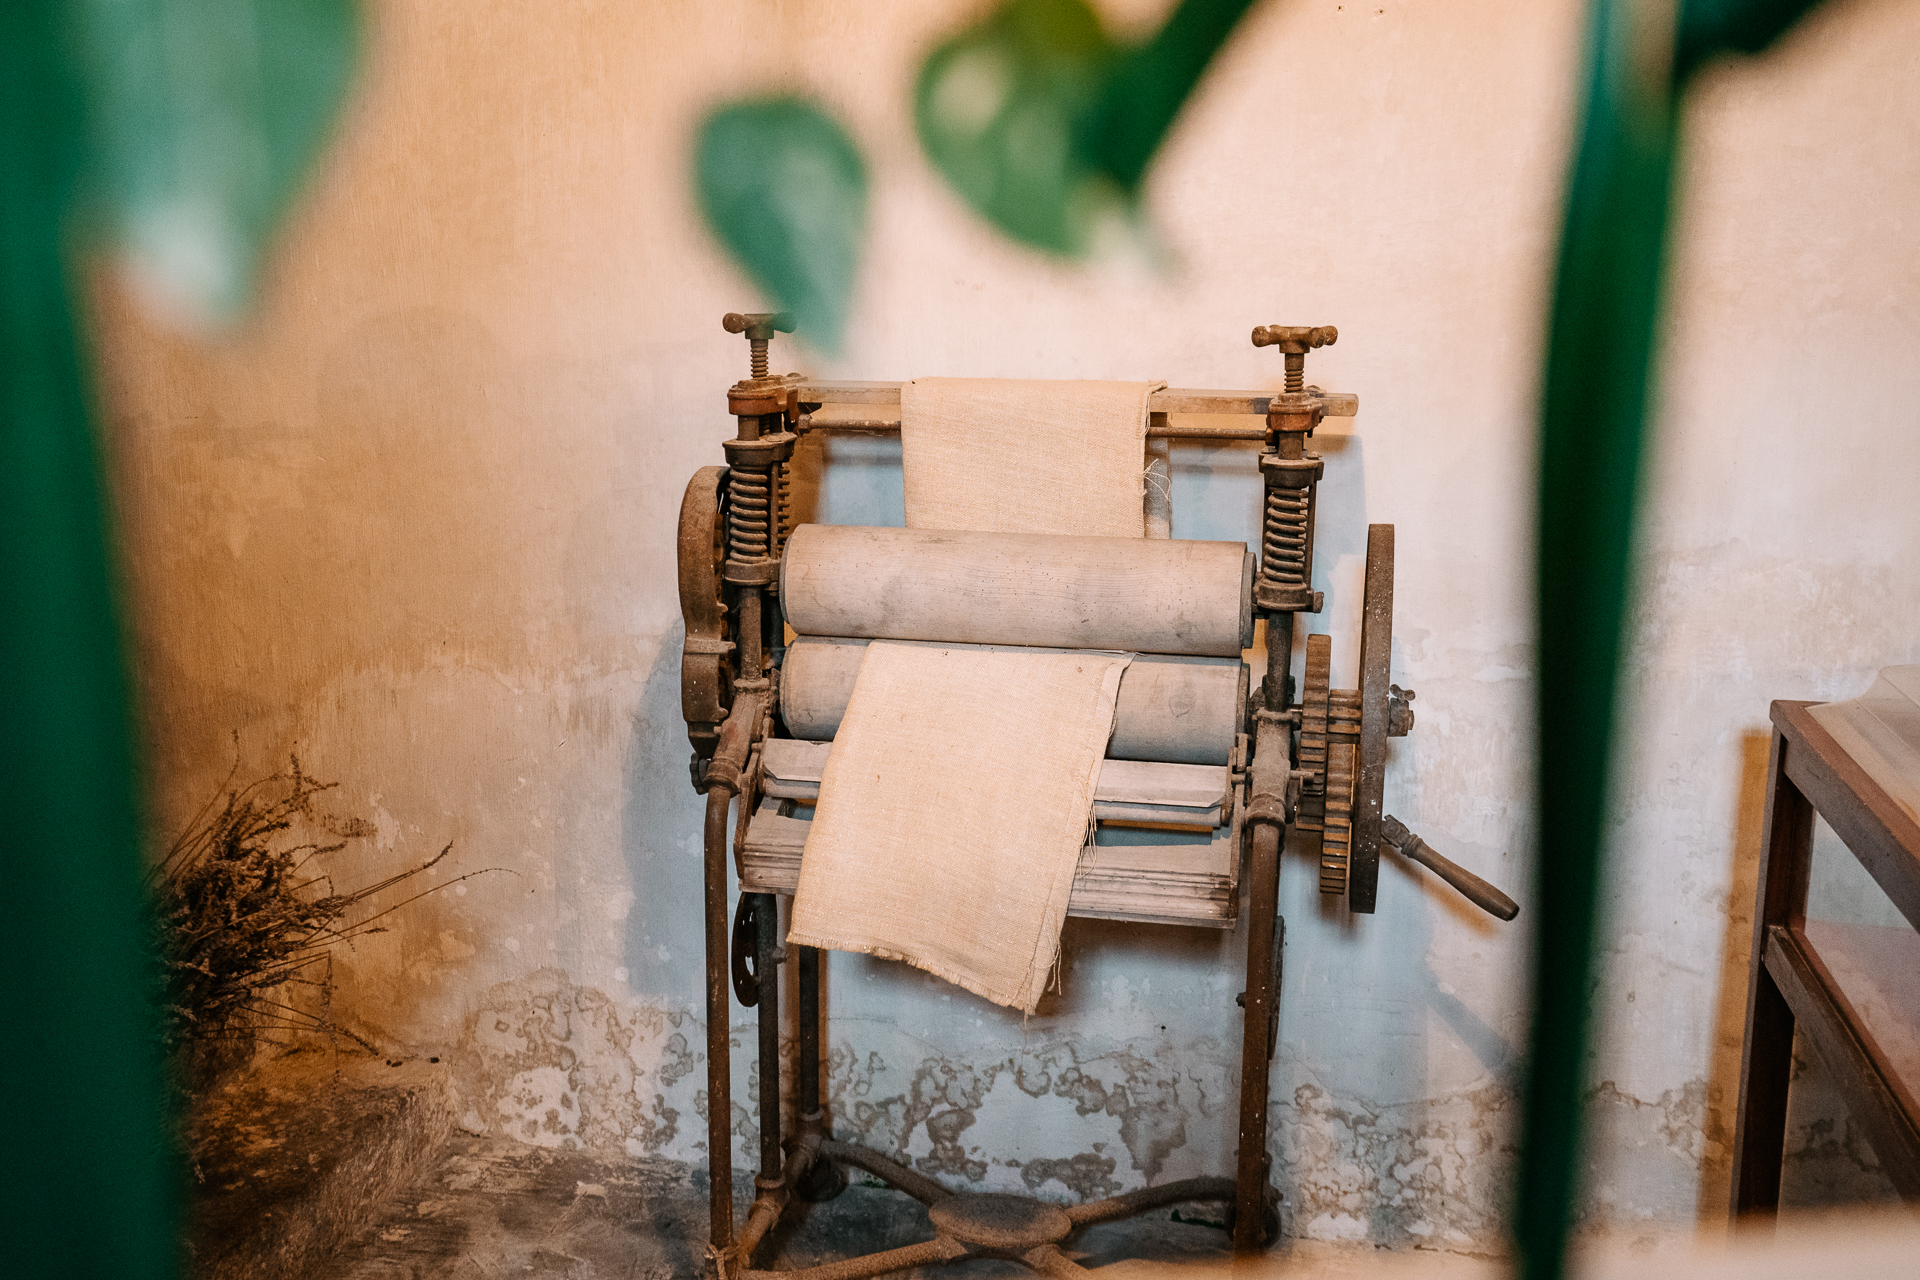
(415,522)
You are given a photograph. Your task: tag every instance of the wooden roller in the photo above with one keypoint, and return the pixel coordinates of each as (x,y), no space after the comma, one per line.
(1146,595)
(1175,709)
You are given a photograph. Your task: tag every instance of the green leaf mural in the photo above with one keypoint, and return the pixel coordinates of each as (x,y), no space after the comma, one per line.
(785,190)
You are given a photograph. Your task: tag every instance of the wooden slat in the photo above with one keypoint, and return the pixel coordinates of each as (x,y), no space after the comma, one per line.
(1824,1013)
(1181,884)
(886,395)
(1340,404)
(1877,968)
(794,768)
(843,391)
(1878,831)
(1119,811)
(1091,903)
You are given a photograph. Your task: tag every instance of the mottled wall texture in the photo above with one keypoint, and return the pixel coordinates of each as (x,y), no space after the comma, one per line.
(415,523)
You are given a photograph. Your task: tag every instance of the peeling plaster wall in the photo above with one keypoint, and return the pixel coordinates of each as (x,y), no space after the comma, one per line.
(415,522)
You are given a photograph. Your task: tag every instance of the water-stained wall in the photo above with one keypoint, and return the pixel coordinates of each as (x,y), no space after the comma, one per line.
(415,522)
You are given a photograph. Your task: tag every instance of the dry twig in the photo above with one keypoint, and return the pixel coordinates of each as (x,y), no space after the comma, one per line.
(246,925)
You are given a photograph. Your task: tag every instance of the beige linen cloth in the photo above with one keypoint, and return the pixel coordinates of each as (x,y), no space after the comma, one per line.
(1009,456)
(953,809)
(959,791)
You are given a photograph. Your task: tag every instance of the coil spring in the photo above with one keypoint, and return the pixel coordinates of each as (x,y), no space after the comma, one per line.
(1283,539)
(784,504)
(748,515)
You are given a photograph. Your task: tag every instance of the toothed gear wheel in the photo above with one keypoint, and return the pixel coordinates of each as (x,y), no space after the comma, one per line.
(1329,741)
(1336,841)
(1311,812)
(1343,780)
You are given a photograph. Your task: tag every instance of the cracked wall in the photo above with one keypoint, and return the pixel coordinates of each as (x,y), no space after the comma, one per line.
(416,522)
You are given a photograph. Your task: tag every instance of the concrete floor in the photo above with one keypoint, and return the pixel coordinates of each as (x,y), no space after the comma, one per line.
(335,1166)
(494,1208)
(346,1167)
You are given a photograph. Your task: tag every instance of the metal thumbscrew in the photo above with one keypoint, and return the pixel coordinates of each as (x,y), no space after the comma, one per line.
(759,326)
(1295,341)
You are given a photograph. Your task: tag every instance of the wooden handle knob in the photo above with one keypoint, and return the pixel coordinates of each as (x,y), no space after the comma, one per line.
(1394,834)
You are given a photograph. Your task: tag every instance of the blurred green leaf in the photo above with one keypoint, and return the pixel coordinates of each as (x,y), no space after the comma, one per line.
(1046,126)
(1151,82)
(784,188)
(1602,329)
(204,116)
(188,122)
(1709,28)
(1040,121)
(1000,109)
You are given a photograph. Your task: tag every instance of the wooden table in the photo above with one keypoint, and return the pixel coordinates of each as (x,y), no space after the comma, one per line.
(1853,989)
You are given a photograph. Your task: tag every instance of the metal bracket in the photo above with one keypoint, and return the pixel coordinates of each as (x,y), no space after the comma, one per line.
(1399,711)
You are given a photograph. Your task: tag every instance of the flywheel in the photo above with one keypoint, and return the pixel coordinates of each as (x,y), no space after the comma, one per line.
(1371,716)
(706,685)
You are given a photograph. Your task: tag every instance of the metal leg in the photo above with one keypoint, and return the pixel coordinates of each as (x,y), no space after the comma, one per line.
(823,1179)
(767,983)
(807,1099)
(1256,1041)
(719,1065)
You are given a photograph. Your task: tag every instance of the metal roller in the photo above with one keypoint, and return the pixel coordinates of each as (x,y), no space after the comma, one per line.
(1146,595)
(1176,709)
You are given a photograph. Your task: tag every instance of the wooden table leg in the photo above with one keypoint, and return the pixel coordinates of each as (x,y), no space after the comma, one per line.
(1760,1125)
(1766,1060)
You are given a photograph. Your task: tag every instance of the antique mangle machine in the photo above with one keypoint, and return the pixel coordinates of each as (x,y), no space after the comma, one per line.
(1242,764)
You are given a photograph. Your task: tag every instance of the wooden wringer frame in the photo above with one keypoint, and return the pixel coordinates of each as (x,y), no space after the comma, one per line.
(761,713)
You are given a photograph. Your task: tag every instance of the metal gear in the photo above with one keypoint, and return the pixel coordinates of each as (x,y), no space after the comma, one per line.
(1312,756)
(1329,741)
(1336,841)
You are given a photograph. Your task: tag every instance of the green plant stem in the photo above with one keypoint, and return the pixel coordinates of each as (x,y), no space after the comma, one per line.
(1603,323)
(1605,305)
(88,1130)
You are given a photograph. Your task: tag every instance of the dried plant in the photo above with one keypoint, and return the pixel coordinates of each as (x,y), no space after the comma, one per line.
(248,916)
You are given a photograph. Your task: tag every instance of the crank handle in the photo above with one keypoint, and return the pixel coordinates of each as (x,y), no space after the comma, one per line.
(1394,832)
